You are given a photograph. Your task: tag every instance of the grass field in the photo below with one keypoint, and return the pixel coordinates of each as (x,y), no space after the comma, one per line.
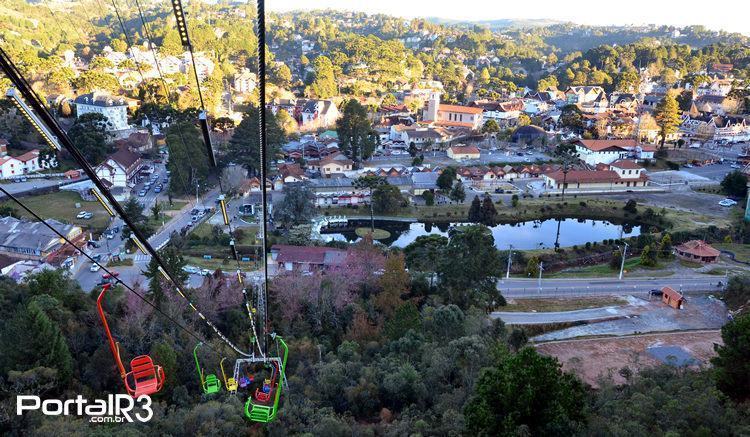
(549,305)
(62,206)
(175,206)
(632,266)
(213,264)
(741,251)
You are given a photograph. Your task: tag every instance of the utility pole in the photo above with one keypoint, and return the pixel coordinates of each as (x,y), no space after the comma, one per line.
(541,269)
(622,262)
(510,254)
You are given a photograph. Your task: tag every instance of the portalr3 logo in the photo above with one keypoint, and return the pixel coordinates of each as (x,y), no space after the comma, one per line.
(115,409)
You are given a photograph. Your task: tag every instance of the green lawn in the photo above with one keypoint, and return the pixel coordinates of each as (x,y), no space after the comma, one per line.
(213,264)
(741,251)
(549,305)
(632,265)
(175,206)
(62,206)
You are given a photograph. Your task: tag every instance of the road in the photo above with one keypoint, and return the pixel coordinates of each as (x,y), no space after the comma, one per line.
(529,288)
(31,184)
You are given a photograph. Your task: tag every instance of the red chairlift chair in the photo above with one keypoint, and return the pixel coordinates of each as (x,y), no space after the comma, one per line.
(144,377)
(262,396)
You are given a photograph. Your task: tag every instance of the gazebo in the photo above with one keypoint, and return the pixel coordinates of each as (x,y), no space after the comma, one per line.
(697,250)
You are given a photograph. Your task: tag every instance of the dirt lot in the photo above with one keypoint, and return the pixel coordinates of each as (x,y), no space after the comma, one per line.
(699,313)
(591,359)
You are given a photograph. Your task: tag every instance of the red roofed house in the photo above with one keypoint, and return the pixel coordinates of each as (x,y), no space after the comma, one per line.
(697,250)
(672,297)
(452,115)
(461,152)
(620,175)
(305,258)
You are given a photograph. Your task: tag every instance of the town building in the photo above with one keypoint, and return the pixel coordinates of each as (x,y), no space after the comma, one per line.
(672,297)
(621,175)
(316,114)
(441,114)
(330,165)
(23,239)
(462,152)
(245,81)
(120,169)
(114,108)
(304,258)
(594,152)
(14,166)
(697,251)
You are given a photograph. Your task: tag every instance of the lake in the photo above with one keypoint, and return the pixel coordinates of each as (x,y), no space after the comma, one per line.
(523,236)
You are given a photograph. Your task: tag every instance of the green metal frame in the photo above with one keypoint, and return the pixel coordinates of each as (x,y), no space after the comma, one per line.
(267,413)
(210,384)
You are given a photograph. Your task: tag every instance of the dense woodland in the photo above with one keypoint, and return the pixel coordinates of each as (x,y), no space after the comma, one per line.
(369,355)
(374,349)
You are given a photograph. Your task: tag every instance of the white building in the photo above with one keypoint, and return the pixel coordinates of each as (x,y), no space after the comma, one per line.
(114,108)
(245,81)
(120,169)
(595,152)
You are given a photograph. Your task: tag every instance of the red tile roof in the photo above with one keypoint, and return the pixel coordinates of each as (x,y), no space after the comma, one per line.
(626,164)
(473,150)
(28,156)
(460,109)
(598,145)
(308,254)
(671,293)
(698,248)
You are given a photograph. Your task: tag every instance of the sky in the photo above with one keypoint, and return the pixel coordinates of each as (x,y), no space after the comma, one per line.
(729,15)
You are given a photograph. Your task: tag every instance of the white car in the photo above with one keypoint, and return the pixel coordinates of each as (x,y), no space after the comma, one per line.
(81,215)
(95,267)
(727,202)
(191,269)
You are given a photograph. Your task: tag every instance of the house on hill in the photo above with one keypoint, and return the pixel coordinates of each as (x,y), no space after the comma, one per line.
(317,114)
(114,108)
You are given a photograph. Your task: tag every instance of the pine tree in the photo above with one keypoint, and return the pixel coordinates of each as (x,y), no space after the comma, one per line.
(667,117)
(475,213)
(488,212)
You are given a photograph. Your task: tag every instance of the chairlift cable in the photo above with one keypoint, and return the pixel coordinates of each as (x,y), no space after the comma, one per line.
(263,157)
(30,95)
(149,37)
(93,261)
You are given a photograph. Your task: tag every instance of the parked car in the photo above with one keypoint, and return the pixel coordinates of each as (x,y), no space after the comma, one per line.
(81,215)
(157,190)
(727,202)
(655,292)
(94,267)
(191,269)
(142,193)
(205,272)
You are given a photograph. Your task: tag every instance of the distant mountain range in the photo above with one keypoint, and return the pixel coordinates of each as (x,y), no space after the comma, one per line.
(497,24)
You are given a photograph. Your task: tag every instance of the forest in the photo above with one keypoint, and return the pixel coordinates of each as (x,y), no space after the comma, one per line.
(370,354)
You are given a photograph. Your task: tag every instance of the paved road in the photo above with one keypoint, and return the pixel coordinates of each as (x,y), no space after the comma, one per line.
(529,288)
(522,318)
(33,184)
